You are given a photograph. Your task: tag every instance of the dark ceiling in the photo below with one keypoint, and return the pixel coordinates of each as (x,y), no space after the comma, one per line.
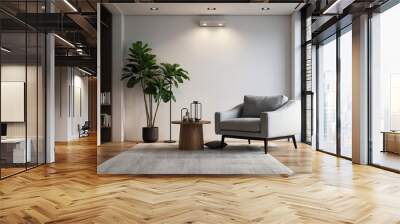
(77,22)
(76,25)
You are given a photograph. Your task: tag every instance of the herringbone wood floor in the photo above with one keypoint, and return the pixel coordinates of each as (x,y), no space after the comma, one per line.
(70,191)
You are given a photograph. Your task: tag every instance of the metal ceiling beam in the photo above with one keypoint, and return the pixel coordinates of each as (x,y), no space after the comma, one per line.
(83,23)
(49,22)
(54,22)
(82,61)
(80,20)
(321,23)
(337,7)
(332,27)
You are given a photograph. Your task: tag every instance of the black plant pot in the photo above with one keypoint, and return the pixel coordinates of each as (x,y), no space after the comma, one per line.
(150,134)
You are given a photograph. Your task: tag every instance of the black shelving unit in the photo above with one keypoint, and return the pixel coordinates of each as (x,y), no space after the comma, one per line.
(106,76)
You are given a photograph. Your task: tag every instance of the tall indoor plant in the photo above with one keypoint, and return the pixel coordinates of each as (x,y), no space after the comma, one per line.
(155,81)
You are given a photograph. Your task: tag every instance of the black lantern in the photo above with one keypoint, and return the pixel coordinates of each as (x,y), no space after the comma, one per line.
(184,114)
(196,111)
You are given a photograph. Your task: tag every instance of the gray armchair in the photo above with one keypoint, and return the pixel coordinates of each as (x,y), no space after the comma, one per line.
(261,118)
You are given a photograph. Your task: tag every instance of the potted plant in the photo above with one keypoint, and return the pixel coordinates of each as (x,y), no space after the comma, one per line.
(155,81)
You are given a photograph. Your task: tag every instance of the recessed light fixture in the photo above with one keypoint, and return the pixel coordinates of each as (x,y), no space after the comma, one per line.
(264,9)
(5,50)
(337,7)
(84,71)
(154,9)
(212,22)
(70,5)
(211,9)
(64,40)
(43,7)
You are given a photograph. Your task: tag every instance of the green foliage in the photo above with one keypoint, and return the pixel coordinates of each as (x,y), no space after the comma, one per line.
(142,69)
(173,74)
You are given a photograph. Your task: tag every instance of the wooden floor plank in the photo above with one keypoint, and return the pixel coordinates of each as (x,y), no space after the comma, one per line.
(325,189)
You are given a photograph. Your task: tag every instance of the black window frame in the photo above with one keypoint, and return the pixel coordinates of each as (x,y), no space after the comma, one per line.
(334,37)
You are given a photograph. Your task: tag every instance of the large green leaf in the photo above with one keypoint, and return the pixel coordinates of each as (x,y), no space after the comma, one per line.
(154,79)
(150,89)
(132,82)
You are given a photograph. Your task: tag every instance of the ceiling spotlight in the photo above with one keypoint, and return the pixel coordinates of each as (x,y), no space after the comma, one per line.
(153,8)
(212,23)
(70,5)
(211,9)
(264,9)
(43,7)
(64,40)
(337,7)
(5,50)
(84,71)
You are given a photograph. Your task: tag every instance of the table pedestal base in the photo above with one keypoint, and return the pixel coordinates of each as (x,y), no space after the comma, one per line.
(191,137)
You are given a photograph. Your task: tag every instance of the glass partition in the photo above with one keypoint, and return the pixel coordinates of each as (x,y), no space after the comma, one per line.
(14,145)
(346,94)
(22,77)
(385,89)
(326,125)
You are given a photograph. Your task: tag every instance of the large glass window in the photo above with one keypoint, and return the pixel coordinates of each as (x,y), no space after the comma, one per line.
(334,71)
(327,96)
(346,93)
(385,89)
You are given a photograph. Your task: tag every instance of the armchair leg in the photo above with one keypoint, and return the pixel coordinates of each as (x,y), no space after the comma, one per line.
(266,146)
(294,141)
(249,141)
(222,141)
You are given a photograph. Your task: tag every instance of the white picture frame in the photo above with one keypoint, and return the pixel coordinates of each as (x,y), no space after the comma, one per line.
(12,101)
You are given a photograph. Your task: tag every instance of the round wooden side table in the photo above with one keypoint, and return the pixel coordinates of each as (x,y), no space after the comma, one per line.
(191,134)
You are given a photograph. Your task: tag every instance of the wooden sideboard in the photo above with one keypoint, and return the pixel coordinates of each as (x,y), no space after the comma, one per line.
(391,142)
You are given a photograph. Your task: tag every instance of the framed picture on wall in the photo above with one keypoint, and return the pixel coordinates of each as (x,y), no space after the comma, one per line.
(12,101)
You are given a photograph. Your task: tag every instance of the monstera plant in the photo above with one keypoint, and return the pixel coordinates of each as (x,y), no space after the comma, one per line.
(155,81)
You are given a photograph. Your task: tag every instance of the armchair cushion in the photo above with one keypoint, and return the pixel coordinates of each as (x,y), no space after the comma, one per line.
(241,124)
(253,106)
(221,116)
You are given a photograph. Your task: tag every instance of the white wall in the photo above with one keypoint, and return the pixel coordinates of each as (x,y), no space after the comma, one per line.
(62,81)
(69,82)
(81,114)
(118,116)
(249,56)
(33,126)
(19,73)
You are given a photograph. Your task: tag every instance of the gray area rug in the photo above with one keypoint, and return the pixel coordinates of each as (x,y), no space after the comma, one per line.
(167,159)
